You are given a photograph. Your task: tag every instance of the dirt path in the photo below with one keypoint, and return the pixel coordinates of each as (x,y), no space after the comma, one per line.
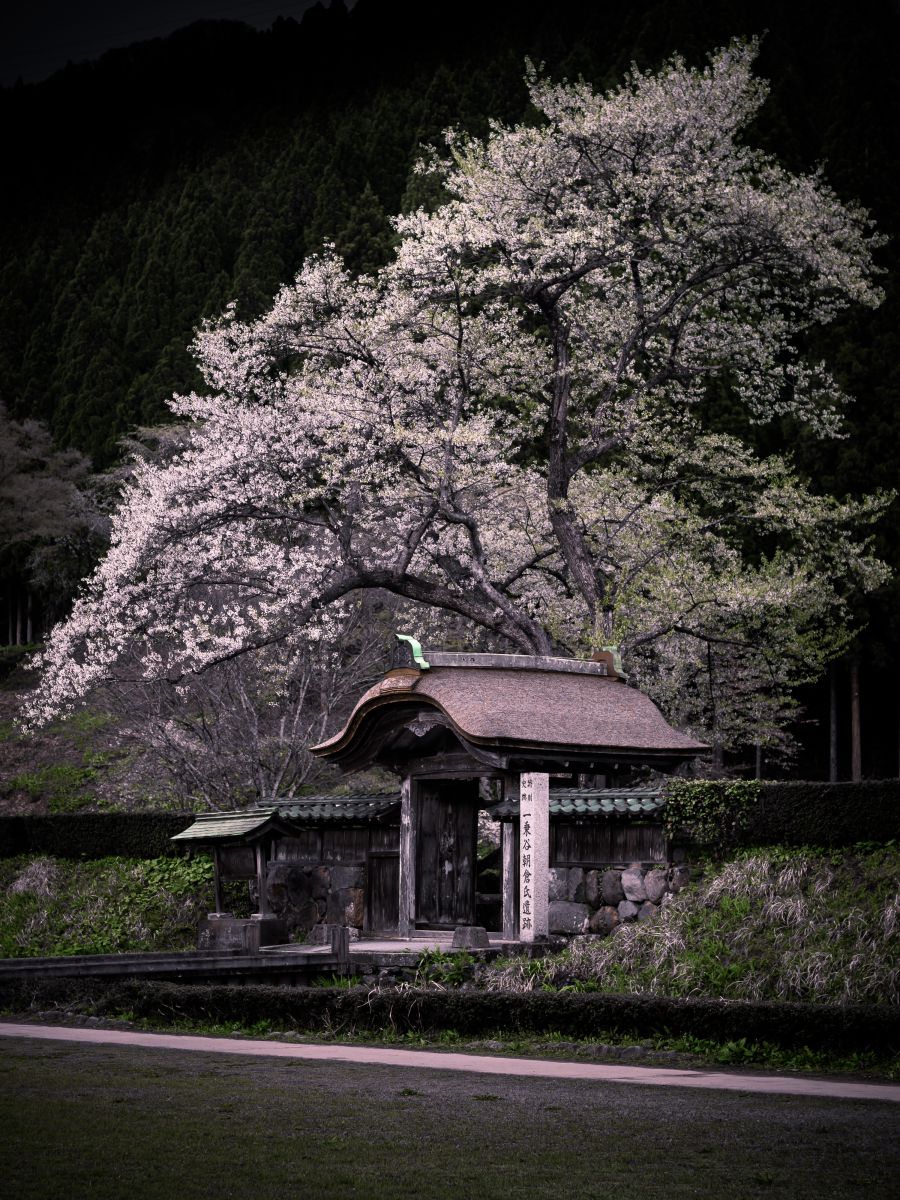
(481,1064)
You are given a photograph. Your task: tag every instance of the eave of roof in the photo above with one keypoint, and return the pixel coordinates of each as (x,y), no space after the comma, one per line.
(229,826)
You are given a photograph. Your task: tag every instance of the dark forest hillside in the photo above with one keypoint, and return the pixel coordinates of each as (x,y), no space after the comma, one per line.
(148,189)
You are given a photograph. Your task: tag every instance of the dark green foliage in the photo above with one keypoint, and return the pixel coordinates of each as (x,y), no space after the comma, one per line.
(712,812)
(724,814)
(840,1029)
(93,835)
(51,907)
(156,185)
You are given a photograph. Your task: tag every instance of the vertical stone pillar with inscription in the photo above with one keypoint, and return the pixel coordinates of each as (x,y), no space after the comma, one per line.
(510,854)
(534,854)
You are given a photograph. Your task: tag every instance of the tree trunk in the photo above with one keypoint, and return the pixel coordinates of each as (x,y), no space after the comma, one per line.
(855,740)
(833,724)
(29,622)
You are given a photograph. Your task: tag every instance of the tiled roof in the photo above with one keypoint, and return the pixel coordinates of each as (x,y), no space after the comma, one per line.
(231,826)
(593,802)
(577,802)
(339,808)
(217,826)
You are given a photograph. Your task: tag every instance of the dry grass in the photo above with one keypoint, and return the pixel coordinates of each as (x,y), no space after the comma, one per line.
(817,927)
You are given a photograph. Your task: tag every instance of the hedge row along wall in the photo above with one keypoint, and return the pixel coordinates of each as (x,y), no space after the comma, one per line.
(720,814)
(591,1017)
(93,835)
(725,815)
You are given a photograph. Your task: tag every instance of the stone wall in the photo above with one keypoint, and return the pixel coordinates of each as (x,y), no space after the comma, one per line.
(583,900)
(306,895)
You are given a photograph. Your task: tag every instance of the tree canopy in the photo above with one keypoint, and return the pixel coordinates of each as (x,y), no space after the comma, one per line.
(509,421)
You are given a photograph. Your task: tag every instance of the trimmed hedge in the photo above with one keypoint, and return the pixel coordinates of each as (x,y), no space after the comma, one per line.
(587,1016)
(827,814)
(728,814)
(93,835)
(720,813)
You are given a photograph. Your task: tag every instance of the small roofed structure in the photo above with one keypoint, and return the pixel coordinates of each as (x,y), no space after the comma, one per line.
(443,721)
(239,841)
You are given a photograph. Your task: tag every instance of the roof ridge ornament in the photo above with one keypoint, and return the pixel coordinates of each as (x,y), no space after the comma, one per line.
(414,649)
(611,655)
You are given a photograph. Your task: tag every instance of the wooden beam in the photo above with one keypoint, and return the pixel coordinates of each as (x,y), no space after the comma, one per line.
(217,878)
(451,765)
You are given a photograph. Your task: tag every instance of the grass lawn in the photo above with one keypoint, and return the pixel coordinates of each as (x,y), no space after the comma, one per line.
(117,1122)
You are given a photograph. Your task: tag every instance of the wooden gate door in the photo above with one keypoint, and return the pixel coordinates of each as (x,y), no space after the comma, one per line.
(383,893)
(446,852)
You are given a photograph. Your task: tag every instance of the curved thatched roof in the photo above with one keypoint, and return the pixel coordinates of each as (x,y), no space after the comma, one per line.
(511,710)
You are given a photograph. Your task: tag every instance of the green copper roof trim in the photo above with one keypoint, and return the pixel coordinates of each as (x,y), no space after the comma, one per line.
(617,661)
(224,827)
(593,802)
(416,648)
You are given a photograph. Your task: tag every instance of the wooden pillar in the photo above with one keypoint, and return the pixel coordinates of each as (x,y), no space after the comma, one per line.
(339,936)
(217,878)
(408,831)
(534,854)
(508,838)
(262,880)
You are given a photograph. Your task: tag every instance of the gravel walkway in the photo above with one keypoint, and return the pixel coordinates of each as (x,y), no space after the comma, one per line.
(482,1064)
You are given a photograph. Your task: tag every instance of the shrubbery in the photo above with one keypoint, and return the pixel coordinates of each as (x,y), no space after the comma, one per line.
(727,814)
(839,1029)
(94,835)
(102,906)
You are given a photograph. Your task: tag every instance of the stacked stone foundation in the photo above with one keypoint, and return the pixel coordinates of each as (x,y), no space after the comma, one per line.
(587,900)
(582,900)
(309,898)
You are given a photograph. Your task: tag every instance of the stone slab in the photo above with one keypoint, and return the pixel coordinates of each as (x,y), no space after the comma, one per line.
(233,933)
